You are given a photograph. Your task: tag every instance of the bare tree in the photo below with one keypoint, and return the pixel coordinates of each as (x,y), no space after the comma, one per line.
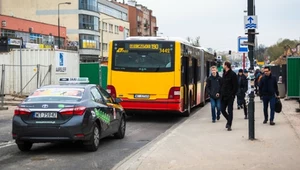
(197,42)
(194,42)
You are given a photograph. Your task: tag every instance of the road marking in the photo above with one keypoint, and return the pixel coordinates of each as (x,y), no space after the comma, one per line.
(7,144)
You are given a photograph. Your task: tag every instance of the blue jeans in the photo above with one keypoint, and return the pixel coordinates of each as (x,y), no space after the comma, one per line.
(215,103)
(266,101)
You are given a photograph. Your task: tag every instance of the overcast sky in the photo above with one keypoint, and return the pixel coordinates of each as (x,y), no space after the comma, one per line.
(220,22)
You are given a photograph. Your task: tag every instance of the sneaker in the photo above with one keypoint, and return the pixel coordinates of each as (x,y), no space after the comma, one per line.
(229,128)
(218,117)
(265,121)
(272,123)
(246,117)
(238,107)
(214,121)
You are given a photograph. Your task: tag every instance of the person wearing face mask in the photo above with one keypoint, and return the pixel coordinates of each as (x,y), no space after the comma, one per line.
(213,88)
(269,91)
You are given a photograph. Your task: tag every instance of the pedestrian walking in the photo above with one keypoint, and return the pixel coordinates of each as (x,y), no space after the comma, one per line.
(213,88)
(269,91)
(257,74)
(228,92)
(242,89)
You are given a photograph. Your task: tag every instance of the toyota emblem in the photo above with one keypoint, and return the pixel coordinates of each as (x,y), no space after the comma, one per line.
(44,106)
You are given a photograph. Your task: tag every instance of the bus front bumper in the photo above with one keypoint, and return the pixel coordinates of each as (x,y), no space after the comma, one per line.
(152,105)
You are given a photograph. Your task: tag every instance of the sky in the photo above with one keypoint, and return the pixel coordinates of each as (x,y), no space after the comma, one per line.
(220,22)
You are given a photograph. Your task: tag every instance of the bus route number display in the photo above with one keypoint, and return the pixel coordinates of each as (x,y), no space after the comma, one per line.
(154,47)
(144,46)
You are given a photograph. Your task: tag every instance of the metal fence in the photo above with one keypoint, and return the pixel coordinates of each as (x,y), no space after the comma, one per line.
(32,77)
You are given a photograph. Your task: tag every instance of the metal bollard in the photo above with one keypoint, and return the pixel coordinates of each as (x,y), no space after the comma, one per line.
(2,89)
(251,110)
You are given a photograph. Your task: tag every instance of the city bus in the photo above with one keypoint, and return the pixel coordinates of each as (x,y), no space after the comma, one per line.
(158,74)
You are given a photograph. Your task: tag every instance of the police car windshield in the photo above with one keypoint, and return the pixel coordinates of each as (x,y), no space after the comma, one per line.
(56,94)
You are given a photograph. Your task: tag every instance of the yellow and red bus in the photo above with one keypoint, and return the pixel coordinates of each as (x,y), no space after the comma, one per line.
(158,74)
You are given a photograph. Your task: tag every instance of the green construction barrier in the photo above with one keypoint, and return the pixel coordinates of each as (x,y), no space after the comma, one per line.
(293,77)
(90,70)
(103,76)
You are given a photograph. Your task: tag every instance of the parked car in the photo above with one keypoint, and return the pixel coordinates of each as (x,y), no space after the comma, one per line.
(71,111)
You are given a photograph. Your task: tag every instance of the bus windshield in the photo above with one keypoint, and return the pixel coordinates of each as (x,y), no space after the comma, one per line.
(145,57)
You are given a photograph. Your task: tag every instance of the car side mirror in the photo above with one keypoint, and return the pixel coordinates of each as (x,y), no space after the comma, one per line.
(118,100)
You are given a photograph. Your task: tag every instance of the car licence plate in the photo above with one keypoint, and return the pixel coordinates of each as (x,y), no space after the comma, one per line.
(51,115)
(143,96)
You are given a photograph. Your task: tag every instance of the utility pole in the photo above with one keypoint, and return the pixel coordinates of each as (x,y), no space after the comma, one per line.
(251,40)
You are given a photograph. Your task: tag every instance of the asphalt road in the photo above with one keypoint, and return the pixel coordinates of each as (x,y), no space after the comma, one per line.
(140,131)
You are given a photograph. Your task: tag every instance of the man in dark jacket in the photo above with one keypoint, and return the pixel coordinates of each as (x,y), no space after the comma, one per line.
(213,88)
(268,88)
(228,92)
(242,89)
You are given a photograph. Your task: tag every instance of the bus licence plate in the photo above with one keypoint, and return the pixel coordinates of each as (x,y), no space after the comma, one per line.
(51,115)
(143,96)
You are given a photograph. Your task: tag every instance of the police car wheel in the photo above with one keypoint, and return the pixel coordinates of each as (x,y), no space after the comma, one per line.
(94,140)
(122,128)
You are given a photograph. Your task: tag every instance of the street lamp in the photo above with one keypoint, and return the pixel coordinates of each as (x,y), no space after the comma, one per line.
(58,27)
(102,34)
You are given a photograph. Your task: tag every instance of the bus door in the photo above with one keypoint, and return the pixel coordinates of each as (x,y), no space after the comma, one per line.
(185,79)
(195,80)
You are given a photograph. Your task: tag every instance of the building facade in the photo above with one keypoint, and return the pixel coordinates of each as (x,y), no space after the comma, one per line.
(35,35)
(141,19)
(82,18)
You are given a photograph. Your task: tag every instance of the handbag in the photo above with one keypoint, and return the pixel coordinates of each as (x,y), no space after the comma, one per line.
(278,105)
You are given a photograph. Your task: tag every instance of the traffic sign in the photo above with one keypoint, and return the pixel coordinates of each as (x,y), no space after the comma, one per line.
(242,47)
(250,22)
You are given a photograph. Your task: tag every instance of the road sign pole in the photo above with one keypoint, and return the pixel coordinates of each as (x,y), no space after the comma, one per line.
(244,58)
(251,37)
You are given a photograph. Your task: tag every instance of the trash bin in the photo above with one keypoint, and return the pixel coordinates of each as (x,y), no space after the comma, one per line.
(281,89)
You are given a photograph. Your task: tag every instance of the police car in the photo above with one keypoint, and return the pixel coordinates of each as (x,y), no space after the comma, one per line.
(71,111)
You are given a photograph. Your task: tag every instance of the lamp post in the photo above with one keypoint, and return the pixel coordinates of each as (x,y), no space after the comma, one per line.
(58,20)
(103,19)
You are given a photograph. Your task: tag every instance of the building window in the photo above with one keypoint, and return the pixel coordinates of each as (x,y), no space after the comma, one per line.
(116,29)
(104,46)
(36,38)
(104,26)
(111,12)
(8,33)
(87,41)
(90,5)
(111,28)
(88,22)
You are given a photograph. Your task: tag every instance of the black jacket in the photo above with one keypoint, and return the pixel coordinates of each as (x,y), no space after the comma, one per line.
(268,86)
(229,85)
(242,85)
(213,86)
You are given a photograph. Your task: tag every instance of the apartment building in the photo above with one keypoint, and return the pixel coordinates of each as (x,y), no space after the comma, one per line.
(141,19)
(82,18)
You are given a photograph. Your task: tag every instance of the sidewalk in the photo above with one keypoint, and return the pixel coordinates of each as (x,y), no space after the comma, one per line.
(198,144)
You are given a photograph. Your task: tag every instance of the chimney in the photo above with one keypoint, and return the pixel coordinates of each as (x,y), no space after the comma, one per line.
(132,3)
